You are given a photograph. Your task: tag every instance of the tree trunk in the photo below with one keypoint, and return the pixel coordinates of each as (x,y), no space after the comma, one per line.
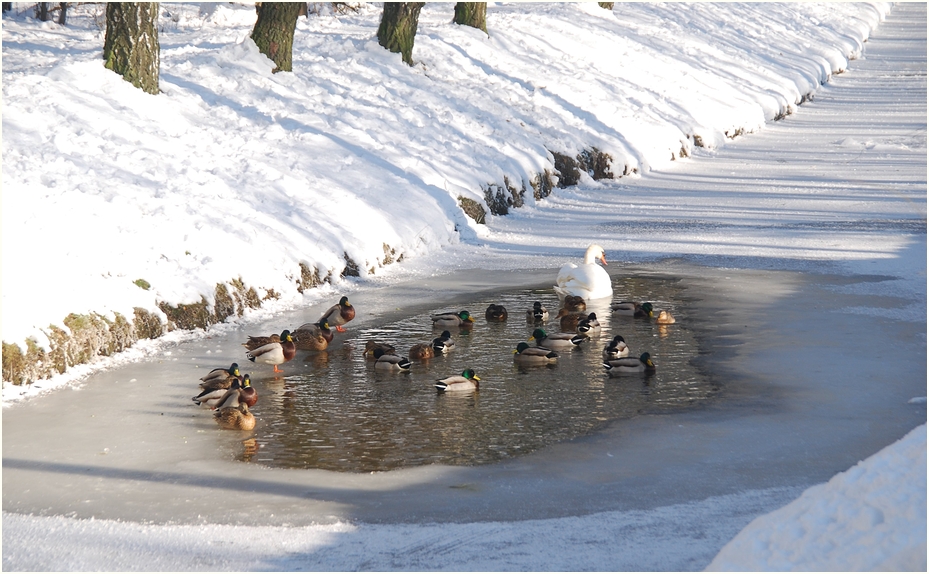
(472,14)
(131,45)
(63,15)
(274,32)
(41,11)
(606,5)
(398,27)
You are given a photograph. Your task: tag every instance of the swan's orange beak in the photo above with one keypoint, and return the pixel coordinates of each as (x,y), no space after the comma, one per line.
(603,259)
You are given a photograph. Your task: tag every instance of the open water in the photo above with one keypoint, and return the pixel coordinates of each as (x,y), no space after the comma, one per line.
(331,410)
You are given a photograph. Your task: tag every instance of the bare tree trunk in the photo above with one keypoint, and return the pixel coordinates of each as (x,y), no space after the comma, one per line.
(41,11)
(472,14)
(398,27)
(131,46)
(274,32)
(63,14)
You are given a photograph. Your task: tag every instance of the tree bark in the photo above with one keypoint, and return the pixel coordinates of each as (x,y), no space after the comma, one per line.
(63,15)
(131,46)
(41,11)
(274,32)
(398,28)
(472,14)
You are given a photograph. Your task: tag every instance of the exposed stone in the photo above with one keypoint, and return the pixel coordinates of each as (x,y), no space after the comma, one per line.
(472,209)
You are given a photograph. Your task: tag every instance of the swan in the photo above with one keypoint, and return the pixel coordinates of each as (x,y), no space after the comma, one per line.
(587,280)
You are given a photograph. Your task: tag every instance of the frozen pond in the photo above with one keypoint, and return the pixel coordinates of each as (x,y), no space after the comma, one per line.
(797,402)
(332,410)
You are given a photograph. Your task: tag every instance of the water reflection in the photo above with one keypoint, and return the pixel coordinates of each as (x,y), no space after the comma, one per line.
(332,410)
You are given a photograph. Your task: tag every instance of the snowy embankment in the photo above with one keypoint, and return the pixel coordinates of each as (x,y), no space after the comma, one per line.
(871,517)
(236,187)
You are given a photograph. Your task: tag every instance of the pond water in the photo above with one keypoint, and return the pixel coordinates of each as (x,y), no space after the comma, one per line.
(331,410)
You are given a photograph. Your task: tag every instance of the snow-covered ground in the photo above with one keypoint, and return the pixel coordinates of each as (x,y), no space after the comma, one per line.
(238,173)
(195,186)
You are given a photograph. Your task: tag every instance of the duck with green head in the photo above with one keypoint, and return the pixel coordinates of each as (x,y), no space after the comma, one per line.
(220,378)
(627,365)
(339,314)
(275,354)
(461,319)
(590,326)
(390,362)
(526,355)
(538,313)
(616,349)
(633,309)
(443,344)
(466,381)
(556,341)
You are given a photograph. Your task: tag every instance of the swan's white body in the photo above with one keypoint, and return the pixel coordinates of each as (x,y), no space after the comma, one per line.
(587,280)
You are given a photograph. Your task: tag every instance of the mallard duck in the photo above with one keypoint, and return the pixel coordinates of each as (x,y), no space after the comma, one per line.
(339,314)
(569,320)
(372,346)
(495,313)
(632,309)
(241,388)
(556,341)
(665,318)
(255,342)
(220,378)
(247,393)
(235,418)
(574,304)
(616,349)
(443,343)
(421,351)
(643,364)
(526,355)
(537,313)
(209,398)
(385,362)
(239,392)
(587,280)
(313,336)
(460,319)
(274,354)
(466,381)
(589,326)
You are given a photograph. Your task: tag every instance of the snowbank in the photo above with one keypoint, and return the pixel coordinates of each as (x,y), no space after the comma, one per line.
(871,517)
(233,174)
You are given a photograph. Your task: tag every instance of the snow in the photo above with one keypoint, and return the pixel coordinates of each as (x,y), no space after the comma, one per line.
(234,172)
(240,173)
(875,512)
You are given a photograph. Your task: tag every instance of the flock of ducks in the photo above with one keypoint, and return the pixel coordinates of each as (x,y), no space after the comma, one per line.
(230,394)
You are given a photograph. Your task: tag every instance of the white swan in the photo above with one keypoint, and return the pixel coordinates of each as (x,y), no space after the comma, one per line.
(587,280)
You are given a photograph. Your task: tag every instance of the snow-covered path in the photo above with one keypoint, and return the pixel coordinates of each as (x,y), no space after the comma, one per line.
(820,238)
